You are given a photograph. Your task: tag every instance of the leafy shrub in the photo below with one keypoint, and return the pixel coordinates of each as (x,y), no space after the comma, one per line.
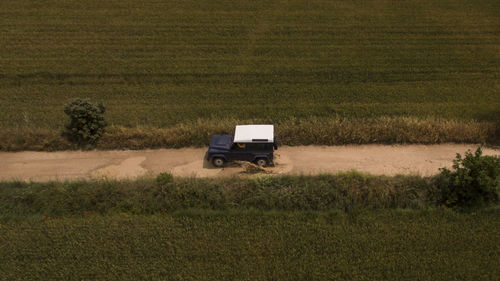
(87,122)
(474,181)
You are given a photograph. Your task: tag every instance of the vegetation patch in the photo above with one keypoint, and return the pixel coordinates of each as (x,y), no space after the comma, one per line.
(86,124)
(148,196)
(474,180)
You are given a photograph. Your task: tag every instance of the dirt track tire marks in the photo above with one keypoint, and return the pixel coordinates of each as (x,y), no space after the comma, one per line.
(188,162)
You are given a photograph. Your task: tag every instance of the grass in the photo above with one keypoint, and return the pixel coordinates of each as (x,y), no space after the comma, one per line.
(162,65)
(253,245)
(319,131)
(343,192)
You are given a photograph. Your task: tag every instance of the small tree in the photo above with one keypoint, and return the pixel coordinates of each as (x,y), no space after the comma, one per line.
(474,181)
(86,122)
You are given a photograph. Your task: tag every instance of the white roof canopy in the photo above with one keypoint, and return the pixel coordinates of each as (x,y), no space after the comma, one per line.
(254,133)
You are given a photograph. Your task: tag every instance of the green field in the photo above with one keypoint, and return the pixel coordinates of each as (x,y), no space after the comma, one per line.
(252,245)
(157,64)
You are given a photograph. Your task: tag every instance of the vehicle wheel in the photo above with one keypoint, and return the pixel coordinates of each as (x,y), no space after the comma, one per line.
(218,162)
(262,162)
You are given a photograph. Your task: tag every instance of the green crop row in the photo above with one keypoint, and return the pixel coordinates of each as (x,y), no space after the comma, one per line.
(254,245)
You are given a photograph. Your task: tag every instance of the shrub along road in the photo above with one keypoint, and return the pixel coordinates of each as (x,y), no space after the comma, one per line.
(374,159)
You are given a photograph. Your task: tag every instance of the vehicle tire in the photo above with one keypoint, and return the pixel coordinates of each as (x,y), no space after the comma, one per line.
(262,162)
(218,162)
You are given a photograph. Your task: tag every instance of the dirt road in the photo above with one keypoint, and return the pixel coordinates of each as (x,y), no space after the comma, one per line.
(374,159)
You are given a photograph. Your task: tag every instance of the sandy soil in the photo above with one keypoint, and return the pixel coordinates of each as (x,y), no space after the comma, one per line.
(374,159)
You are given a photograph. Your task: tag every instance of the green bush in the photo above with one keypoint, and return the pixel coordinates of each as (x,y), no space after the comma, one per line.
(474,181)
(87,122)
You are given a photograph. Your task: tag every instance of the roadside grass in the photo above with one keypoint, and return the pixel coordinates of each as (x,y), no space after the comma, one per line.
(344,192)
(163,65)
(255,245)
(294,131)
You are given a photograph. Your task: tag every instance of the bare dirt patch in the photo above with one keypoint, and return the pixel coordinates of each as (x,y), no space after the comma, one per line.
(374,159)
(128,168)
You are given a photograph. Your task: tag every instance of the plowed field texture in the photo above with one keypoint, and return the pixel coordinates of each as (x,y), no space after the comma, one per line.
(303,64)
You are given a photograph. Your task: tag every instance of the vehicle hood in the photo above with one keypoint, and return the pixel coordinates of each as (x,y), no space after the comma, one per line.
(222,142)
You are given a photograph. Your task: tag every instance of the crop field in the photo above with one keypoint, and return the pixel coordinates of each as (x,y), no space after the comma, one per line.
(158,64)
(254,245)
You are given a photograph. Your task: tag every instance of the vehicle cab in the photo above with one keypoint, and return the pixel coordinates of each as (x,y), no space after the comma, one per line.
(253,143)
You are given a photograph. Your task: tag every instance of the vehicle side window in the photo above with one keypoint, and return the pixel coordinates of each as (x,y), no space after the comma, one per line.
(259,146)
(239,146)
(253,146)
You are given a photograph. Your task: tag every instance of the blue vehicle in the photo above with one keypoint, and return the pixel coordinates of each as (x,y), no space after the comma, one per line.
(253,143)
